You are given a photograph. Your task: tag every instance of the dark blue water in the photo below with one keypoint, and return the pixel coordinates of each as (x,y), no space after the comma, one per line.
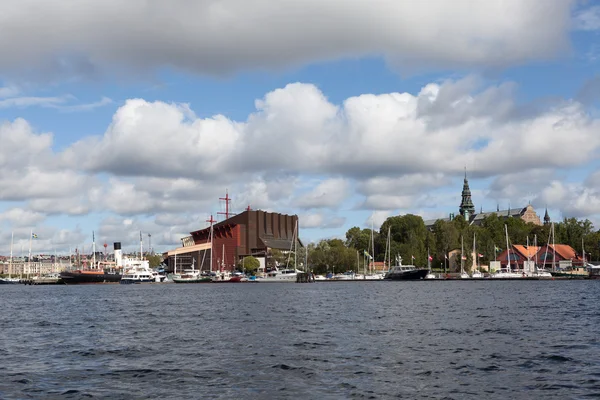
(413,340)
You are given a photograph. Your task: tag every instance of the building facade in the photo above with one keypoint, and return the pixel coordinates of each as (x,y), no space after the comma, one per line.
(251,233)
(467,210)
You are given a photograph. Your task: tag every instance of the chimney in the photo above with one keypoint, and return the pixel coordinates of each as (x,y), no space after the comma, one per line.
(118,254)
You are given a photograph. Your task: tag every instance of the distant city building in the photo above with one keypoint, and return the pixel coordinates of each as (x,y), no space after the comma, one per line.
(467,210)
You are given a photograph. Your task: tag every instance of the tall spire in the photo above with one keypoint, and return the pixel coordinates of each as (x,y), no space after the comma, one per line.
(546,217)
(466,209)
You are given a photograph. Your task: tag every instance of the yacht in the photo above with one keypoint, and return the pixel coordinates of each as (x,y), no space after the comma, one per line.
(139,271)
(405,272)
(278,275)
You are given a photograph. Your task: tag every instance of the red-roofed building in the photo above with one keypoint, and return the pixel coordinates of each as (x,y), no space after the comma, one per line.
(557,253)
(518,255)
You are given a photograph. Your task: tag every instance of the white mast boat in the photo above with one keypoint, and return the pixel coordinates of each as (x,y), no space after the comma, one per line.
(10,279)
(476,273)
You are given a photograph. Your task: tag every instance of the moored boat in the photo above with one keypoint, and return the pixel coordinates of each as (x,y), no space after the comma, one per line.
(89,276)
(405,272)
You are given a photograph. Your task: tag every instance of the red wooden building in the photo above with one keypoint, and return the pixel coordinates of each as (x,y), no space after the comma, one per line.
(520,253)
(253,232)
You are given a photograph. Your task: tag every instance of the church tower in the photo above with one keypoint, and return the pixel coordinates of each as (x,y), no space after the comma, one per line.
(546,217)
(466,209)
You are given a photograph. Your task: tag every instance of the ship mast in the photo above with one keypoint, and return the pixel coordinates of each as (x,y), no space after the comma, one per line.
(93,250)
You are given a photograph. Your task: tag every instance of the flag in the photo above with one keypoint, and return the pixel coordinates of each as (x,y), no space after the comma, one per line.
(496,249)
(413,257)
(463,257)
(367,254)
(430,258)
(446,256)
(34,235)
(479,255)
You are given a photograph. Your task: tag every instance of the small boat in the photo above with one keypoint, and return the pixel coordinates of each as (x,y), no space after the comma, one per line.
(594,271)
(9,281)
(279,275)
(192,276)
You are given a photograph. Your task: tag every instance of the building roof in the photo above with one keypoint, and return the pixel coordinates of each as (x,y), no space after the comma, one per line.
(564,250)
(526,251)
(513,212)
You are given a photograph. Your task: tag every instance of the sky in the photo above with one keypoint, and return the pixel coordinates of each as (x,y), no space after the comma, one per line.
(119,117)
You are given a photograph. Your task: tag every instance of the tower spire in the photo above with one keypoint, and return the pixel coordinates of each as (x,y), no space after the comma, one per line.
(466,209)
(546,217)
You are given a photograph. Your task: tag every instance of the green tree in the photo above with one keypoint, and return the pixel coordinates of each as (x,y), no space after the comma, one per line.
(249,264)
(154,260)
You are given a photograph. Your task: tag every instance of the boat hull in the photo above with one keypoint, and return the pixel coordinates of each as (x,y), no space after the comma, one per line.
(199,280)
(411,275)
(79,277)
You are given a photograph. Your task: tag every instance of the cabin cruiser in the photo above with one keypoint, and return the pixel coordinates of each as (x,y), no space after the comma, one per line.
(139,271)
(275,274)
(405,272)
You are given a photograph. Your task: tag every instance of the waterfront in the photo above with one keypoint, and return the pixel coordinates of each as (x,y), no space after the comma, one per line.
(484,339)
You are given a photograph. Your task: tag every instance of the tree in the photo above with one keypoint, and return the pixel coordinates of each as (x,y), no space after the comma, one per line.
(249,264)
(154,260)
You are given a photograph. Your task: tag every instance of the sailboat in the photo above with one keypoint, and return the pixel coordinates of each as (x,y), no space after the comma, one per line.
(476,273)
(10,280)
(286,274)
(507,274)
(374,275)
(194,275)
(430,275)
(463,273)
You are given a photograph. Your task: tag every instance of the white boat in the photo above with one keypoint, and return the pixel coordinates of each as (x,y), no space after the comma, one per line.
(507,273)
(278,275)
(139,271)
(476,273)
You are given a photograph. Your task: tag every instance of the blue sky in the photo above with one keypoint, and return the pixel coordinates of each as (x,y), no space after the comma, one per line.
(139,117)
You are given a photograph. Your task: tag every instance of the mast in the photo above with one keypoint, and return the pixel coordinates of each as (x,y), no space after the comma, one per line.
(553,249)
(536,252)
(29,258)
(175,266)
(372,249)
(462,255)
(141,247)
(93,250)
(296,245)
(475,254)
(12,238)
(211,242)
(507,248)
(583,251)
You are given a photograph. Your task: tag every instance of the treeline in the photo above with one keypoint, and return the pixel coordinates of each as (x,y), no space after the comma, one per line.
(409,237)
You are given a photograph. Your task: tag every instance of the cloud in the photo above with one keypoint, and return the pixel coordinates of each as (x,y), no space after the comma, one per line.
(321,221)
(327,194)
(296,130)
(588,19)
(573,199)
(159,164)
(19,217)
(230,35)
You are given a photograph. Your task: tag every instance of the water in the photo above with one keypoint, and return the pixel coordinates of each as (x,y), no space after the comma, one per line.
(413,340)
